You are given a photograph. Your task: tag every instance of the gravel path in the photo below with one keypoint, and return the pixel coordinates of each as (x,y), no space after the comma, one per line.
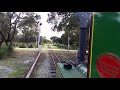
(44,69)
(4,71)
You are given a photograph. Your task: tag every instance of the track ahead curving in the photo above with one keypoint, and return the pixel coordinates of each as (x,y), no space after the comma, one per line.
(45,67)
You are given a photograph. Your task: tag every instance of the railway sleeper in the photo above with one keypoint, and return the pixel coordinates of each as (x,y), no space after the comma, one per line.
(53,75)
(53,71)
(53,68)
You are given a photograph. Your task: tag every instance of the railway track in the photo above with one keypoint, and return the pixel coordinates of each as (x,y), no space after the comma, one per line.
(54,61)
(33,66)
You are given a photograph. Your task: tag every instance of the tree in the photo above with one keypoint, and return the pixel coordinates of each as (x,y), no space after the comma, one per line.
(13,22)
(54,39)
(68,22)
(30,21)
(27,36)
(8,25)
(29,26)
(44,40)
(1,41)
(58,40)
(62,20)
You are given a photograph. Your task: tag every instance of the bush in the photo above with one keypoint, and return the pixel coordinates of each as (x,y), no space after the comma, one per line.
(6,51)
(9,50)
(34,45)
(16,44)
(22,46)
(2,53)
(74,46)
(30,46)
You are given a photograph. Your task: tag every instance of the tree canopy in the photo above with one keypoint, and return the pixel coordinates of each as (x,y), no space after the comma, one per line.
(68,22)
(13,22)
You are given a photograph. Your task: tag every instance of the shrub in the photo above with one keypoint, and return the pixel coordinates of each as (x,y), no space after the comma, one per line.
(22,46)
(30,46)
(16,44)
(34,45)
(2,53)
(9,50)
(74,47)
(6,51)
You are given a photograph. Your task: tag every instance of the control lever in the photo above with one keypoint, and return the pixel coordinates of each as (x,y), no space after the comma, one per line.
(67,65)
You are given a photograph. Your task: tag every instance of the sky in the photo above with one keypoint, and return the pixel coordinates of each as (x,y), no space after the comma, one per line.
(46,28)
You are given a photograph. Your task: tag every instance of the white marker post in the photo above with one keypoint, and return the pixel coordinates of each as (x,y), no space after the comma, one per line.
(68,43)
(39,42)
(36,43)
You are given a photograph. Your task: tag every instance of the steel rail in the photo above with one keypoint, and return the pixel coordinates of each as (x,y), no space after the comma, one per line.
(32,67)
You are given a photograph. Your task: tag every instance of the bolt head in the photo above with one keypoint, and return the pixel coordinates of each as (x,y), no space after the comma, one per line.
(40,23)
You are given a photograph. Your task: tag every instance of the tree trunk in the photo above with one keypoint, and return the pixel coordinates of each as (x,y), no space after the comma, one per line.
(1,44)
(6,43)
(1,41)
(11,43)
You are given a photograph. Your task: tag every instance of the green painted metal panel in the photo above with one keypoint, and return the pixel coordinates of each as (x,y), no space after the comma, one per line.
(72,73)
(58,72)
(106,37)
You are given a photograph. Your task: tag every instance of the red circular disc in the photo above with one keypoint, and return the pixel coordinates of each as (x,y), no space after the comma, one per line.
(108,66)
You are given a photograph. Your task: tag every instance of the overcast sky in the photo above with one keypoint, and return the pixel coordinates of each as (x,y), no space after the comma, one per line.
(46,28)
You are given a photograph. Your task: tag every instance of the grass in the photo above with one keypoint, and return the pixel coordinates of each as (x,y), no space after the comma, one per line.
(16,62)
(54,47)
(20,72)
(24,49)
(45,46)
(65,55)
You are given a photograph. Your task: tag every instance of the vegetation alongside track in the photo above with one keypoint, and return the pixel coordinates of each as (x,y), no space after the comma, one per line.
(17,65)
